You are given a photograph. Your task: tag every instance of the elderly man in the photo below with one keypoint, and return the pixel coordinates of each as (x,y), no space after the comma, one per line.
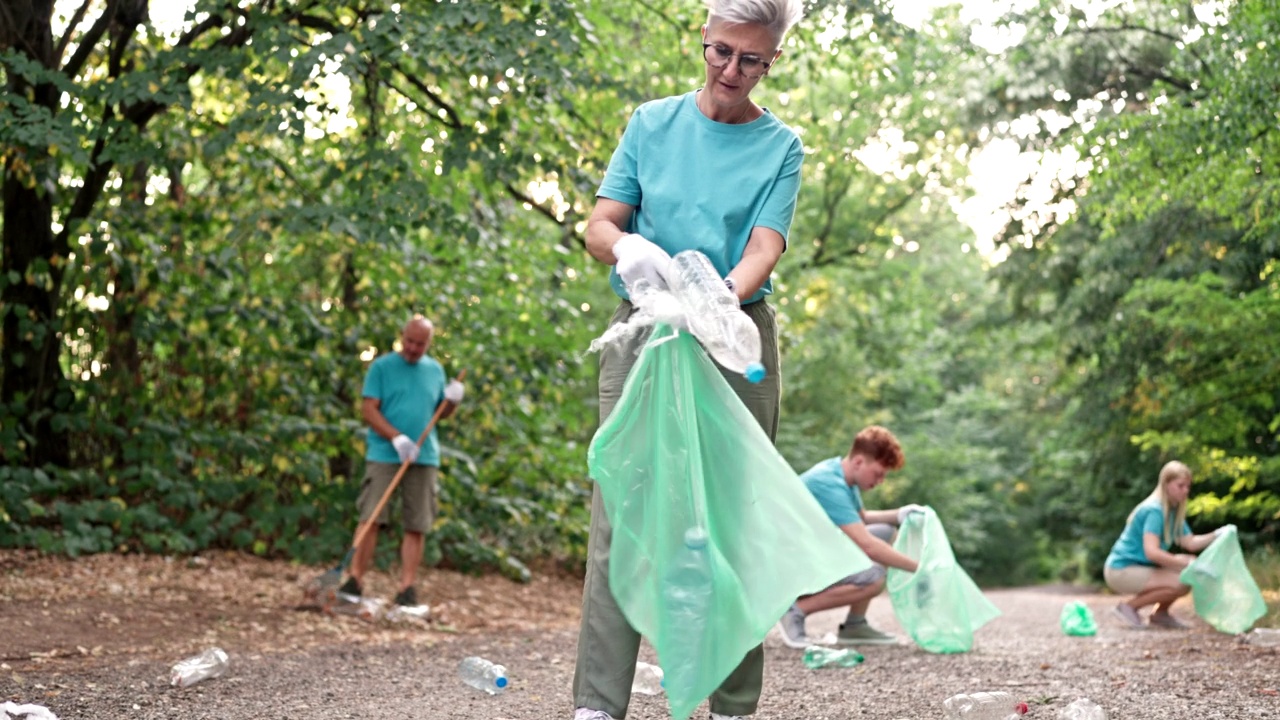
(402,390)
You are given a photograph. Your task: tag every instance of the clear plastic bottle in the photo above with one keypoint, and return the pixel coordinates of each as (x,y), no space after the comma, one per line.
(687,597)
(209,664)
(648,680)
(1082,709)
(1264,637)
(714,315)
(816,656)
(983,706)
(483,675)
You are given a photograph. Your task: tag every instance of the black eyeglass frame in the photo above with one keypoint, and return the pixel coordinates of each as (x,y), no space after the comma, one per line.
(763,64)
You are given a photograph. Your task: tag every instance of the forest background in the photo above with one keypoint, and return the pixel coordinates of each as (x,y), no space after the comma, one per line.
(1040,245)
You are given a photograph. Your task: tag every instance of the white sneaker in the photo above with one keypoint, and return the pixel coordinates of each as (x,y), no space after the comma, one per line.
(717,716)
(792,626)
(589,714)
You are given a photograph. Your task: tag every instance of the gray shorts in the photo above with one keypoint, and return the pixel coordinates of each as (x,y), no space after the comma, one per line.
(875,573)
(417,491)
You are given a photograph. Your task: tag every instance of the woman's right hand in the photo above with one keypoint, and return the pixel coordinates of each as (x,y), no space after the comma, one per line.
(639,259)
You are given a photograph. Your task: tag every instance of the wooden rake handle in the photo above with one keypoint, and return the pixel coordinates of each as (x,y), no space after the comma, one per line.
(404,467)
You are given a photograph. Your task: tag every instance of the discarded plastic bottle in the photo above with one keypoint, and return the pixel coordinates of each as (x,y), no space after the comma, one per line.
(648,680)
(483,675)
(1264,637)
(816,656)
(687,595)
(1082,709)
(983,706)
(714,315)
(209,664)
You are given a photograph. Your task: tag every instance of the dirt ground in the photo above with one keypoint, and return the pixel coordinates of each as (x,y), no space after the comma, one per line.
(95,637)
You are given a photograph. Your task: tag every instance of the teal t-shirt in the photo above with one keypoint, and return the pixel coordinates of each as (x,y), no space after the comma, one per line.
(408,396)
(698,184)
(841,501)
(1128,550)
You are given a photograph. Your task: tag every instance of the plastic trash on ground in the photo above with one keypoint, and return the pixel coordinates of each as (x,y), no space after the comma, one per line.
(714,535)
(408,613)
(211,663)
(939,605)
(1224,592)
(483,674)
(1082,709)
(1263,637)
(648,680)
(365,608)
(998,705)
(14,711)
(1077,620)
(816,656)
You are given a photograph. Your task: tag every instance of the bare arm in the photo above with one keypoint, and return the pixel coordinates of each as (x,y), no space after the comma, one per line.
(886,517)
(877,549)
(1196,543)
(605,226)
(1163,558)
(764,247)
(371,409)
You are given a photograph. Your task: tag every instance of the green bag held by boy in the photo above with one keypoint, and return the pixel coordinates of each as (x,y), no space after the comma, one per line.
(939,605)
(1223,589)
(714,535)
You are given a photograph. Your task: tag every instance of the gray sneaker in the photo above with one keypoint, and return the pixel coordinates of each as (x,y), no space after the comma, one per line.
(589,714)
(863,634)
(792,626)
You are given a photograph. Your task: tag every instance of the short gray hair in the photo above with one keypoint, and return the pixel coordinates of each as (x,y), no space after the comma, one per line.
(777,15)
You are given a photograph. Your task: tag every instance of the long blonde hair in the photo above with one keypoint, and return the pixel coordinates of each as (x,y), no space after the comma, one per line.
(1175,516)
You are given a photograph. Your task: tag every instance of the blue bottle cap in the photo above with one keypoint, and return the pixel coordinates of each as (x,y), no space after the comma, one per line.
(755,372)
(500,682)
(695,538)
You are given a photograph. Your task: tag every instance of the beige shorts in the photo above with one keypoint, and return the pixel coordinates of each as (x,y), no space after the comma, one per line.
(417,491)
(1129,580)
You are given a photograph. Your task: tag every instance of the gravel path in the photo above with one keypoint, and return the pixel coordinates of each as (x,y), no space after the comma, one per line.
(1135,675)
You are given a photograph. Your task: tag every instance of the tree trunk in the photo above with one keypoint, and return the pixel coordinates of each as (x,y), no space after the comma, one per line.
(33,383)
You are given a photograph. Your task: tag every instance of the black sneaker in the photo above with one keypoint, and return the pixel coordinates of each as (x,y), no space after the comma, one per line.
(407,597)
(352,588)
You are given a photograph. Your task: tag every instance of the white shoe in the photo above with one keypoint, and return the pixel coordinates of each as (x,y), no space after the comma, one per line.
(792,627)
(589,714)
(717,716)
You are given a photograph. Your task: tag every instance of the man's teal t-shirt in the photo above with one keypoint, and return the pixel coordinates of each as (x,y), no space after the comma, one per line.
(1149,518)
(698,184)
(841,501)
(408,396)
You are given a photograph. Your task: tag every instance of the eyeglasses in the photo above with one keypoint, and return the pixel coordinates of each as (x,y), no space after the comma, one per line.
(719,56)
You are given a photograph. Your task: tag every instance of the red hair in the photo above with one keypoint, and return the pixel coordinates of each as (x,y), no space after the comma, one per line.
(878,444)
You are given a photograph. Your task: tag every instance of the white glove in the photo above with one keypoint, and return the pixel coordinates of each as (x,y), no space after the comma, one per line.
(454,391)
(1221,531)
(639,259)
(906,510)
(405,448)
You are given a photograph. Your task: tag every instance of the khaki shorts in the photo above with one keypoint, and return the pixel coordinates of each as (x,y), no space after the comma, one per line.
(417,491)
(1129,580)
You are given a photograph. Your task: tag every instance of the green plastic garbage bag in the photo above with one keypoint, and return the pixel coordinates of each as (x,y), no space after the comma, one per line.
(1224,592)
(939,605)
(1077,620)
(714,535)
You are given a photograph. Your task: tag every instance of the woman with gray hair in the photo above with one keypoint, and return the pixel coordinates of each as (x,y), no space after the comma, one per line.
(712,171)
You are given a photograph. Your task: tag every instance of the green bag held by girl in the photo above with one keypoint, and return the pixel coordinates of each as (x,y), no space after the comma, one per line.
(1223,589)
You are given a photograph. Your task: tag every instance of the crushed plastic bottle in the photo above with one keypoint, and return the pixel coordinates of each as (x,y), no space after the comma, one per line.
(483,675)
(714,315)
(1077,620)
(25,712)
(1263,637)
(983,706)
(408,614)
(211,663)
(816,656)
(1082,709)
(648,680)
